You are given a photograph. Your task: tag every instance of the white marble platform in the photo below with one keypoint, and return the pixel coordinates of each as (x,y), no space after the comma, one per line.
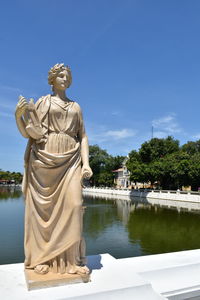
(174,275)
(164,276)
(107,282)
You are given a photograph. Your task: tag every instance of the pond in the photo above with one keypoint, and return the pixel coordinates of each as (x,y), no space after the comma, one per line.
(118,227)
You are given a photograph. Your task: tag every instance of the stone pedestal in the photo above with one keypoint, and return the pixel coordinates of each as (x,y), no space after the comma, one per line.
(36,281)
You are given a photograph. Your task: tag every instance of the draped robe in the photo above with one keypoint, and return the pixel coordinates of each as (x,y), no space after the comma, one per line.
(51,185)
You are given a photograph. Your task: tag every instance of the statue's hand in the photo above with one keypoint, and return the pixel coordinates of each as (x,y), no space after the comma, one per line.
(21,107)
(31,105)
(86,172)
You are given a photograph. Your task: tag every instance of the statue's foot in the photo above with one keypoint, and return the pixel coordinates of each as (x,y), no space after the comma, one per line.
(87,270)
(79,270)
(41,269)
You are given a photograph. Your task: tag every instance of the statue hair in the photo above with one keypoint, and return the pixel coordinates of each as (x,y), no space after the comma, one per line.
(53,73)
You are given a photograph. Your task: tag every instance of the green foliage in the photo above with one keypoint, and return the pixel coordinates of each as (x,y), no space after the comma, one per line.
(191,147)
(102,165)
(176,170)
(6,175)
(137,168)
(164,162)
(157,148)
(158,161)
(194,171)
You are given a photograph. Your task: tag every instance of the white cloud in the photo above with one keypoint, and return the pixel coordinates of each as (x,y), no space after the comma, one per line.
(7,115)
(161,121)
(196,136)
(102,134)
(166,125)
(116,142)
(116,113)
(120,134)
(10,88)
(7,106)
(159,134)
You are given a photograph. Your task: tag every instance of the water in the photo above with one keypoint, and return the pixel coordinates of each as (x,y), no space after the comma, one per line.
(117,227)
(11,225)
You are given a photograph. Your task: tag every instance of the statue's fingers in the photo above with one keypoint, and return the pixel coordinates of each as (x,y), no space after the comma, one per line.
(23,104)
(90,175)
(24,101)
(21,98)
(86,174)
(31,101)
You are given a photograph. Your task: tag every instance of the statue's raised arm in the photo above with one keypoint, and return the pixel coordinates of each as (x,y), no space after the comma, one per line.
(20,112)
(27,119)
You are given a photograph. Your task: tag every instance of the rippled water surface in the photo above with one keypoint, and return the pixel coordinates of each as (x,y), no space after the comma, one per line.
(117,227)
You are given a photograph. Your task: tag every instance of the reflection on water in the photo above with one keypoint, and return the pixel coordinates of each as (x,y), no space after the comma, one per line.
(121,228)
(10,192)
(135,228)
(163,230)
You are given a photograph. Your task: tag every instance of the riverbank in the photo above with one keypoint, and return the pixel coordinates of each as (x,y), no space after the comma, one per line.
(172,199)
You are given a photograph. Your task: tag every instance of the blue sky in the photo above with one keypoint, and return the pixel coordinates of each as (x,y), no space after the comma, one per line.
(135,63)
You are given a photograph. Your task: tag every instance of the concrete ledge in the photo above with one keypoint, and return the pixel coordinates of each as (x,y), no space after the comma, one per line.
(164,276)
(107,280)
(174,275)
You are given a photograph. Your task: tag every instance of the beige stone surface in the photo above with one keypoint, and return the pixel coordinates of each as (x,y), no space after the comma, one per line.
(56,161)
(36,281)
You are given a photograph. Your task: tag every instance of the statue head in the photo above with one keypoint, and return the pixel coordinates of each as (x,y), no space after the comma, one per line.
(55,70)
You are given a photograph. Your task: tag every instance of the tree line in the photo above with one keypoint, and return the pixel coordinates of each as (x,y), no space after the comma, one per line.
(10,176)
(163,162)
(160,161)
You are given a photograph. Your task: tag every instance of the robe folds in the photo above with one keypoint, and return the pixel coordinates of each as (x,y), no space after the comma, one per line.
(51,184)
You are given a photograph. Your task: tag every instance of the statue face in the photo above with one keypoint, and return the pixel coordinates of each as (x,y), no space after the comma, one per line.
(61,81)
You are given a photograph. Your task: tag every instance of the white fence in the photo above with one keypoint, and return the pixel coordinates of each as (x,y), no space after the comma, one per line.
(172,199)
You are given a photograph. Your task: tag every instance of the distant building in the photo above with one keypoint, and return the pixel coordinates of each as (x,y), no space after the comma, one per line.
(6,182)
(122,176)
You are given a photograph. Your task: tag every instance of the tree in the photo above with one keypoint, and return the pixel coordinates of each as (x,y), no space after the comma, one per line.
(191,147)
(194,171)
(102,165)
(113,162)
(97,159)
(157,148)
(147,165)
(106,178)
(176,170)
(136,167)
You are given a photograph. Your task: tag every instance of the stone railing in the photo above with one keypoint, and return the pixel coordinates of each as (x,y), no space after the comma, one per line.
(190,196)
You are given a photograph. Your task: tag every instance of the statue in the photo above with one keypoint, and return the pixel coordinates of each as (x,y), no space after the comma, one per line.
(56,162)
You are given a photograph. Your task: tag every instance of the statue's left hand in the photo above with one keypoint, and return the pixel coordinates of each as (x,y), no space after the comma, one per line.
(86,172)
(21,108)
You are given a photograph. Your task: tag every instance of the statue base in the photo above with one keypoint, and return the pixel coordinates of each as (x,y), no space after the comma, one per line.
(36,281)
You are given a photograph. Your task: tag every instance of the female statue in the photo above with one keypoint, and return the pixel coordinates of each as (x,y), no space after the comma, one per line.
(56,161)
